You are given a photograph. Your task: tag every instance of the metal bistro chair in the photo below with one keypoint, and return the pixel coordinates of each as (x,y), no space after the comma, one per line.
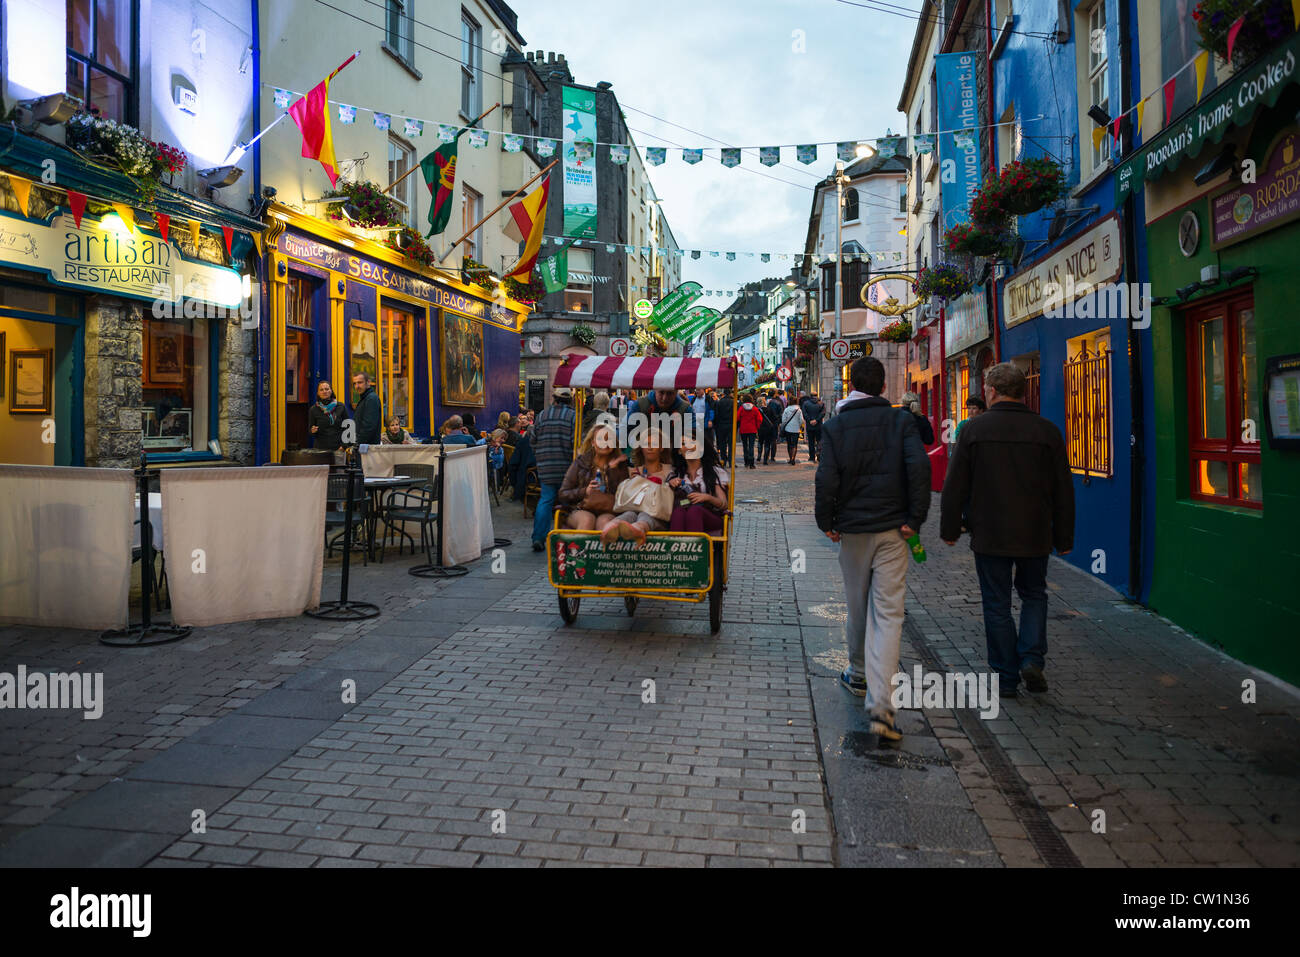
(336,497)
(419,504)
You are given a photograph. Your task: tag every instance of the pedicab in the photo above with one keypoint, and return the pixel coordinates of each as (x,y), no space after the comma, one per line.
(670,566)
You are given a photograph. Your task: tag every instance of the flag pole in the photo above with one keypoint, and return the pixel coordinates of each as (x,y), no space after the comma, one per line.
(498,209)
(472,124)
(242,148)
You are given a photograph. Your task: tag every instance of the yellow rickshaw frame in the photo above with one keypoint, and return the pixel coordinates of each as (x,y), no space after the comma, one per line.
(688,596)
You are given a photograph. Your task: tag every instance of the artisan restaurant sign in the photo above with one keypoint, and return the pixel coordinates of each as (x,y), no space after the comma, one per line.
(443,297)
(1231,105)
(121,262)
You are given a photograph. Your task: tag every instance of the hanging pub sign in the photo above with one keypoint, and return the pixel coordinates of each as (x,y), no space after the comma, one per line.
(437,294)
(123,262)
(1274,199)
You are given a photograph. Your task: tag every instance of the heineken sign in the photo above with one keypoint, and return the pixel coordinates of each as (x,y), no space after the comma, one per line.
(1233,104)
(670,313)
(665,563)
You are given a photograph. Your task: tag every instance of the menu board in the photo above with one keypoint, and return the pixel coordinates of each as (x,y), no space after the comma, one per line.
(1282,392)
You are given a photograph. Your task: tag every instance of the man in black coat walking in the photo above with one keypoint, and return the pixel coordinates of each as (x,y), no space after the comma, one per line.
(814,414)
(873,492)
(1010,479)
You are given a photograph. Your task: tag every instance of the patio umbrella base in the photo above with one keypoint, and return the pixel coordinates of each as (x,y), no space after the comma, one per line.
(345,611)
(140,636)
(439,571)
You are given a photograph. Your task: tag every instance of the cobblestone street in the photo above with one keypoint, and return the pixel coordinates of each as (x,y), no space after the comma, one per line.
(485,732)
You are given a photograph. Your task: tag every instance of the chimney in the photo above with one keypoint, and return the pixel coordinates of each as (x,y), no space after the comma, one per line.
(550,57)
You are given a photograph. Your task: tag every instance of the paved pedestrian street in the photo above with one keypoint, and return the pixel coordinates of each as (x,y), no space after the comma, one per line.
(484,732)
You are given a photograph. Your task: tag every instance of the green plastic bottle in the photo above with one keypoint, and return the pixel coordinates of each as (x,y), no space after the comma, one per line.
(918,550)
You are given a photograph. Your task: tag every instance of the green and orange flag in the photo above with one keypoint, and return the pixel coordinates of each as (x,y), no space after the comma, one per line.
(312,114)
(439,170)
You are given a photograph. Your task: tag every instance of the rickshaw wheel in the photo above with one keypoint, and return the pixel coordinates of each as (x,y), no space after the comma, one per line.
(715,593)
(569,609)
(629,602)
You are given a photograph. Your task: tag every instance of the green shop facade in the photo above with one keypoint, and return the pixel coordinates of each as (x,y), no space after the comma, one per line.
(1220,191)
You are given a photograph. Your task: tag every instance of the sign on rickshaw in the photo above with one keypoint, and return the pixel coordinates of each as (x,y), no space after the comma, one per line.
(679,563)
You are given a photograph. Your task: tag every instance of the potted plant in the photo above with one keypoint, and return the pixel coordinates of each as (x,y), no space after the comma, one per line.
(370,206)
(583,334)
(1018,189)
(945,280)
(900,330)
(1267,22)
(525,292)
(473,272)
(111,143)
(976,239)
(412,246)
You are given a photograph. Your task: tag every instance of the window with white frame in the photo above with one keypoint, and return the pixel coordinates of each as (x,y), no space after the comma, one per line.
(401,159)
(578,292)
(472,213)
(398,18)
(1097,79)
(471,66)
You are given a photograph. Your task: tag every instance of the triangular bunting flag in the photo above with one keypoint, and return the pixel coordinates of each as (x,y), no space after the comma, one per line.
(22,191)
(383,121)
(692,156)
(1202,62)
(769,155)
(1232,34)
(228,235)
(1170,86)
(654,155)
(545,148)
(1115,128)
(1141,110)
(347,114)
(806,154)
(511,142)
(1295,14)
(164,224)
(260,242)
(847,151)
(195,228)
(77,203)
(478,138)
(127,214)
(730,156)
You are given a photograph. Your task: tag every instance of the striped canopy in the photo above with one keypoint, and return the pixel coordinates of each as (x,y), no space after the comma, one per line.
(607,372)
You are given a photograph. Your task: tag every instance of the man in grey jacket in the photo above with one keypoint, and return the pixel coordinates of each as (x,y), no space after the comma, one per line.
(873,491)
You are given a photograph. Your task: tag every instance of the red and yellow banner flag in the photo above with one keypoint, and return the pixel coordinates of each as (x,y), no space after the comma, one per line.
(312,114)
(527,221)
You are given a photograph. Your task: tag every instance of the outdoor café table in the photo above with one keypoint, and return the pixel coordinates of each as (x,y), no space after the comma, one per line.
(376,487)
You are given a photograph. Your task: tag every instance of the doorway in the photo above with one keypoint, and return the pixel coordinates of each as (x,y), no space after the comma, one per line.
(306,355)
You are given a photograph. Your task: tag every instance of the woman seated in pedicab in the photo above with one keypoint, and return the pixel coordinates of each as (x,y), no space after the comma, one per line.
(701,487)
(592,481)
(648,509)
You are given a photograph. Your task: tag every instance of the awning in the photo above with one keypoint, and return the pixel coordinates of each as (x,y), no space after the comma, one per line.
(1231,105)
(601,372)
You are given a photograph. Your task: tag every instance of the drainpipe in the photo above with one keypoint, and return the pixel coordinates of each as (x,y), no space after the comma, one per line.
(1136,450)
(261,418)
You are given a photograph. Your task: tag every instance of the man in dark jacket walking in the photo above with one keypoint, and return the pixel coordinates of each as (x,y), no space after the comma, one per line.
(367,413)
(767,435)
(814,415)
(1010,479)
(723,415)
(873,491)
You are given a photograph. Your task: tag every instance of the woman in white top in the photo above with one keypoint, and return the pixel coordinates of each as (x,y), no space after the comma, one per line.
(791,423)
(701,486)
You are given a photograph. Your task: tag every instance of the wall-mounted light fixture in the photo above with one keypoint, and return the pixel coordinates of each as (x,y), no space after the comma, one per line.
(218,177)
(50,110)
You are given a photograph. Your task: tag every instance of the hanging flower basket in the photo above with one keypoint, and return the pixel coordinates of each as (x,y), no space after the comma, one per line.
(525,292)
(373,207)
(974,239)
(1267,22)
(900,330)
(1020,188)
(583,333)
(475,273)
(763,377)
(944,280)
(412,247)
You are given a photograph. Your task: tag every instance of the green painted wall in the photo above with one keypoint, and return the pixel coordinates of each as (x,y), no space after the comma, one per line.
(1230,576)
